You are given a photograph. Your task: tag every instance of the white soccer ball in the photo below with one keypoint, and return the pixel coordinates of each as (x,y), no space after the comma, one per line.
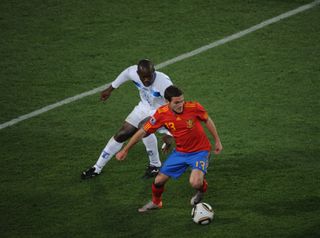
(202,213)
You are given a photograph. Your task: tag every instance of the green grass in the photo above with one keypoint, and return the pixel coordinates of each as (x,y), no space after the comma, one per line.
(262,91)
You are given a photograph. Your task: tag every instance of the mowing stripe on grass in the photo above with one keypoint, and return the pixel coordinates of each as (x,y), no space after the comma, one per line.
(166,63)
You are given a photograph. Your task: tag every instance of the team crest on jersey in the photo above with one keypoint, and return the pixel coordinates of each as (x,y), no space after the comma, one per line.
(152,121)
(190,123)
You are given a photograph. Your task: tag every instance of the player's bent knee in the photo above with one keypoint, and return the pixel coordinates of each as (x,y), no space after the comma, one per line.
(161,179)
(125,133)
(143,122)
(159,184)
(196,182)
(120,137)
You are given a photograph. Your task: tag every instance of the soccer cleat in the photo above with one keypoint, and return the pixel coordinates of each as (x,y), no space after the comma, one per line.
(150,206)
(196,198)
(151,171)
(90,173)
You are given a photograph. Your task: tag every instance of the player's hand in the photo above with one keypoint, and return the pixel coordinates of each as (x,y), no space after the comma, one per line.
(105,94)
(218,147)
(121,155)
(167,143)
(165,148)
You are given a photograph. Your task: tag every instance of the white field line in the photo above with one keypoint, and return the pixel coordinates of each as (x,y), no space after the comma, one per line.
(168,62)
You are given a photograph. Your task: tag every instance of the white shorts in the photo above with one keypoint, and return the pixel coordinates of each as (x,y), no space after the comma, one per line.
(141,112)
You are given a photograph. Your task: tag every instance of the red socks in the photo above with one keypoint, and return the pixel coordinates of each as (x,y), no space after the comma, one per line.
(157,194)
(204,186)
(158,190)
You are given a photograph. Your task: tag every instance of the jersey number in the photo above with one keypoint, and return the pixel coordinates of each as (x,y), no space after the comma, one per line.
(170,126)
(203,164)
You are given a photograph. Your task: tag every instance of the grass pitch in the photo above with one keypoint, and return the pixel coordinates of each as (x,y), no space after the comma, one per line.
(262,91)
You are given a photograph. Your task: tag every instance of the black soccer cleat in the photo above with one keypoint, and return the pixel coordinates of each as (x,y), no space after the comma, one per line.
(90,173)
(151,171)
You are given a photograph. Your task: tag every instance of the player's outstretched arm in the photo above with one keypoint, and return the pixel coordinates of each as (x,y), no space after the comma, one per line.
(123,77)
(105,94)
(121,155)
(213,130)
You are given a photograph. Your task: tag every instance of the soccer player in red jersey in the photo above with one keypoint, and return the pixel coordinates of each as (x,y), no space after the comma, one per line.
(183,120)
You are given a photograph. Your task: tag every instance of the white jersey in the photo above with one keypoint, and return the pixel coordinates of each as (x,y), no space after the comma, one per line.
(152,96)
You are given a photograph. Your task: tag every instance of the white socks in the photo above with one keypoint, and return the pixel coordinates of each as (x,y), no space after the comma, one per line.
(108,152)
(151,145)
(113,147)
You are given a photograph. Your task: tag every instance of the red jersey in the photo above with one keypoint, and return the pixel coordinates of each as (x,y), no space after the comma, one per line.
(185,127)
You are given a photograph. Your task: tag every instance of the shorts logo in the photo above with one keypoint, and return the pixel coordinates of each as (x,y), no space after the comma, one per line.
(153,121)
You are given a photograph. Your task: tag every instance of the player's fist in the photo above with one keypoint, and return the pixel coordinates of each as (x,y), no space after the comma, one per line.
(218,147)
(105,94)
(167,144)
(121,155)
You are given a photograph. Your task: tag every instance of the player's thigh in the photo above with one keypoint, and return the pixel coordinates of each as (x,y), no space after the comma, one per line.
(175,165)
(138,114)
(131,124)
(143,121)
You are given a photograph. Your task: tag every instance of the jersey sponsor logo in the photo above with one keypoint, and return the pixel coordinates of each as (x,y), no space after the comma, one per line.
(190,123)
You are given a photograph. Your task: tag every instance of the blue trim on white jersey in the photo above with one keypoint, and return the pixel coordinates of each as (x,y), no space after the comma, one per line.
(156,94)
(137,84)
(153,93)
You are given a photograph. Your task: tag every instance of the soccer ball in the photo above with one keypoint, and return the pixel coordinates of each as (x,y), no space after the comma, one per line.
(202,213)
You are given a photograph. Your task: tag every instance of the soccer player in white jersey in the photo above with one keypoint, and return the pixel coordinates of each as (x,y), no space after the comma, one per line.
(151,85)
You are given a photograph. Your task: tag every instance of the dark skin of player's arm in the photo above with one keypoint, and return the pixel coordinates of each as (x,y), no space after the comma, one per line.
(105,94)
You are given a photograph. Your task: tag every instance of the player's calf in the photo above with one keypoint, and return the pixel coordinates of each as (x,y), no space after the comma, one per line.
(199,194)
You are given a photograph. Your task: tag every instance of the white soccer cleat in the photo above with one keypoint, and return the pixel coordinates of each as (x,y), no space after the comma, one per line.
(196,198)
(150,206)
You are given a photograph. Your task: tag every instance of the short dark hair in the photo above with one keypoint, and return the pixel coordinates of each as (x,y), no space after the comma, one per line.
(145,64)
(172,91)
